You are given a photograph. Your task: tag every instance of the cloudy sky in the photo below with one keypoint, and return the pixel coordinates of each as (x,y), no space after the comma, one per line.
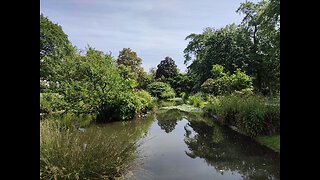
(152,28)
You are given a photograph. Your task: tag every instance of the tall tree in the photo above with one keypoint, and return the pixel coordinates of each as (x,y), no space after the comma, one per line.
(228,46)
(262,20)
(129,58)
(167,68)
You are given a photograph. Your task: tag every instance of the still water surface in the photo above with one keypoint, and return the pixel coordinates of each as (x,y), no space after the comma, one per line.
(177,145)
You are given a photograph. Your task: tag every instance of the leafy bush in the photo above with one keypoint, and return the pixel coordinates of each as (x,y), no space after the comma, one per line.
(50,102)
(196,101)
(161,90)
(224,83)
(148,102)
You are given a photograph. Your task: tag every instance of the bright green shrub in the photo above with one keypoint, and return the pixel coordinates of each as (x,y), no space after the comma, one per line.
(196,101)
(161,90)
(224,83)
(148,102)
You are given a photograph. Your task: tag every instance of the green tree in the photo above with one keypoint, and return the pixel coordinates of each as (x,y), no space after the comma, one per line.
(229,46)
(52,38)
(167,68)
(129,58)
(183,82)
(262,20)
(92,84)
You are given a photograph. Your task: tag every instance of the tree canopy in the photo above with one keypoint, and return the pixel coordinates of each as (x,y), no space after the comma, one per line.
(167,68)
(52,39)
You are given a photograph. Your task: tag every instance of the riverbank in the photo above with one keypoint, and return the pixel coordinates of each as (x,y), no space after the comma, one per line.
(270,141)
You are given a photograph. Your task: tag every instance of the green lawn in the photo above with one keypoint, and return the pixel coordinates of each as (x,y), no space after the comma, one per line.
(270,141)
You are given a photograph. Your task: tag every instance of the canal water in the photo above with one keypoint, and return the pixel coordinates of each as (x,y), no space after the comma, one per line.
(178,145)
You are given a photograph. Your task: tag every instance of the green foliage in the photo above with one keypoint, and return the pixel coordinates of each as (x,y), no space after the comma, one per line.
(50,102)
(129,58)
(130,65)
(148,102)
(228,46)
(166,68)
(262,20)
(93,84)
(88,82)
(52,38)
(254,115)
(182,82)
(224,83)
(161,90)
(196,101)
(253,46)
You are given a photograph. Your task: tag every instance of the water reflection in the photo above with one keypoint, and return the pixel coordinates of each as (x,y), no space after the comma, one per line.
(225,150)
(167,120)
(221,148)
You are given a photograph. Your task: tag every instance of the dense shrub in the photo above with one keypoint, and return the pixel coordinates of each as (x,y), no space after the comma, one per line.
(92,84)
(161,90)
(148,102)
(224,83)
(254,115)
(124,106)
(196,101)
(50,102)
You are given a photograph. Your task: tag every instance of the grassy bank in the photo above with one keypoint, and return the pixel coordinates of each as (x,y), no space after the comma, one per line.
(254,115)
(272,142)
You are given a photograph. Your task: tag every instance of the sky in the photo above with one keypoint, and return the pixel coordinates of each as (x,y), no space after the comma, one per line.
(152,28)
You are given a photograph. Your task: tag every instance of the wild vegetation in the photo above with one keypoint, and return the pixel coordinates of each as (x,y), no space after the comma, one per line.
(233,75)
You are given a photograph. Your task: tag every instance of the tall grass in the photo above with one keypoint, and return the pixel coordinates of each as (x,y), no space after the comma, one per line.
(254,115)
(65,154)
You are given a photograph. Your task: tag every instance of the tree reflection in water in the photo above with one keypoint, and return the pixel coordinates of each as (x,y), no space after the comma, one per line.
(167,120)
(226,150)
